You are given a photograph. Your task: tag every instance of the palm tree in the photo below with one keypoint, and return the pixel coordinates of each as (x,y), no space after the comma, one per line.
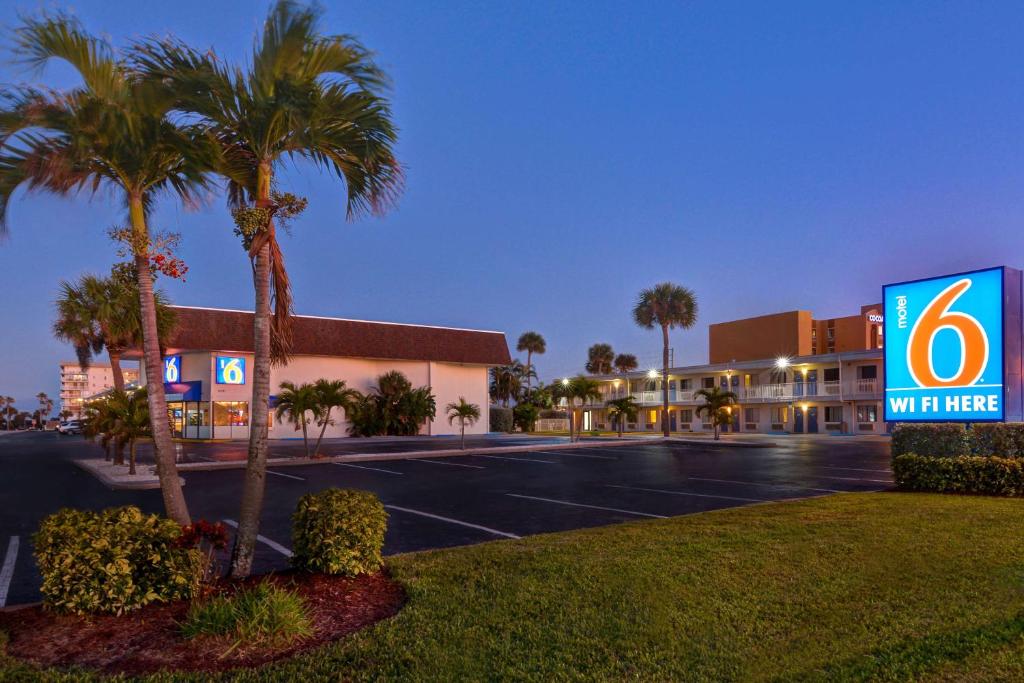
(130,412)
(293,403)
(5,403)
(507,381)
(113,132)
(717,404)
(625,363)
(103,313)
(579,388)
(306,95)
(45,407)
(331,394)
(623,410)
(599,359)
(666,305)
(531,342)
(464,412)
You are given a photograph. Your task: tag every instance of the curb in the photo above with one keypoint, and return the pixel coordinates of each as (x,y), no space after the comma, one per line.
(142,483)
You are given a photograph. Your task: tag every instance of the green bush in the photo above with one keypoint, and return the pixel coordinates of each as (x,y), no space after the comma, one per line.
(264,614)
(959,474)
(525,415)
(501,419)
(112,561)
(939,440)
(1004,439)
(339,531)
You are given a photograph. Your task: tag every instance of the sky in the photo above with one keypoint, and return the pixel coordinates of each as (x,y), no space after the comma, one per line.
(562,156)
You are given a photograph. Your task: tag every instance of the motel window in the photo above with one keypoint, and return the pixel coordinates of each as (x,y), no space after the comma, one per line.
(751,414)
(780,414)
(867,413)
(831,374)
(867,372)
(685,384)
(652,416)
(671,385)
(686,415)
(651,385)
(708,382)
(833,413)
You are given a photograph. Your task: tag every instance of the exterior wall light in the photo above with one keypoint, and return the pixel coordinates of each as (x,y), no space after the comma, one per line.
(653,374)
(782,362)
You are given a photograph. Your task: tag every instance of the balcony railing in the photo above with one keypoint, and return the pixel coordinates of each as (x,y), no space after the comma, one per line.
(790,391)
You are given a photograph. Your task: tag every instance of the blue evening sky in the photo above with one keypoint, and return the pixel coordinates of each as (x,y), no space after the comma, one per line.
(562,156)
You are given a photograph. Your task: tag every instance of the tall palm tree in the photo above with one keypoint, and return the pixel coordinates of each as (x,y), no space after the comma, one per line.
(668,306)
(625,362)
(623,410)
(599,359)
(304,95)
(331,394)
(45,407)
(716,405)
(466,413)
(531,342)
(297,403)
(112,132)
(97,313)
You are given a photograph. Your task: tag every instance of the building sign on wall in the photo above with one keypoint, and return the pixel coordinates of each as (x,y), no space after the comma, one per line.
(944,348)
(172,369)
(230,370)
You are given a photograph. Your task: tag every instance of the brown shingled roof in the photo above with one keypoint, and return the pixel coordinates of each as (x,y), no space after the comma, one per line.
(211,329)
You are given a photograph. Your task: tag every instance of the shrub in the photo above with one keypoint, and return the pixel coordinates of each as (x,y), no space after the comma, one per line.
(501,419)
(339,531)
(939,440)
(1005,440)
(524,416)
(112,561)
(960,474)
(264,614)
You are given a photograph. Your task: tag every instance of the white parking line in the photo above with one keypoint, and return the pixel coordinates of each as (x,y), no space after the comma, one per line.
(499,457)
(289,476)
(577,455)
(583,505)
(364,467)
(264,540)
(871,481)
(774,486)
(450,464)
(7,570)
(858,469)
(452,521)
(688,493)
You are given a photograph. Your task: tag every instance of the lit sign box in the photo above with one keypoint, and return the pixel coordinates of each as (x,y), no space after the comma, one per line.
(952,348)
(230,370)
(172,369)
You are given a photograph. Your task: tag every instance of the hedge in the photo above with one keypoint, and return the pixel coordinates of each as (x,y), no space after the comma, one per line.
(939,440)
(960,474)
(339,531)
(1003,439)
(501,419)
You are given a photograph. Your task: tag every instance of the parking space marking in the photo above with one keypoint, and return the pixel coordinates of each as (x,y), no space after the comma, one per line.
(858,469)
(289,476)
(421,513)
(450,464)
(858,479)
(775,486)
(499,457)
(7,570)
(364,467)
(264,540)
(578,455)
(688,493)
(584,505)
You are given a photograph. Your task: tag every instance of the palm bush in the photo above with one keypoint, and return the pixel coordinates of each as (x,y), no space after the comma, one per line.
(392,408)
(466,413)
(717,405)
(623,410)
(331,394)
(297,404)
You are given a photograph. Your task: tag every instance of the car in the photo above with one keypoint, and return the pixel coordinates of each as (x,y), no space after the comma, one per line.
(70,427)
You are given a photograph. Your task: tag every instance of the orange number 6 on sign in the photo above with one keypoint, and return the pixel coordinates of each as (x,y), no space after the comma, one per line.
(973,341)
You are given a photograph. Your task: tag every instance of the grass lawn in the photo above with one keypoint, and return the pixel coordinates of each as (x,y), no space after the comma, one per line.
(849,587)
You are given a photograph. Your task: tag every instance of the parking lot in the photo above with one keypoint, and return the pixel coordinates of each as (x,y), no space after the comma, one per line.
(448,501)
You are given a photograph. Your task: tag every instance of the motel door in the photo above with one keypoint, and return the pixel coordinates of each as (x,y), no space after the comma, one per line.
(812,420)
(798,420)
(672,420)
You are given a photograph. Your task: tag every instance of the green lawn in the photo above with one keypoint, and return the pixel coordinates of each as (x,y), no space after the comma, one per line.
(849,587)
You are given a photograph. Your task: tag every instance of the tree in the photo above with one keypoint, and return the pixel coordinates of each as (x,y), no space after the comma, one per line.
(112,132)
(579,388)
(331,394)
(623,410)
(65,414)
(531,342)
(45,407)
(130,420)
(625,363)
(6,409)
(507,382)
(599,359)
(295,402)
(717,405)
(303,95)
(668,306)
(464,412)
(97,313)
(393,407)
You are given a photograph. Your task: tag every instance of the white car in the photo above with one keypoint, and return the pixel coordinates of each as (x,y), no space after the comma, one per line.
(70,427)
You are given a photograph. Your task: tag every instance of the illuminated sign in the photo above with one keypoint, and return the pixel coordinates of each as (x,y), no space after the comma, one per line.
(230,370)
(875,318)
(944,348)
(172,369)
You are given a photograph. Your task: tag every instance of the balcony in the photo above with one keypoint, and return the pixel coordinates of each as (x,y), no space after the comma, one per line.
(763,393)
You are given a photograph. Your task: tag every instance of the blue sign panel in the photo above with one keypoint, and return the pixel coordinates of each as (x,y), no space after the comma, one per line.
(172,369)
(230,370)
(944,348)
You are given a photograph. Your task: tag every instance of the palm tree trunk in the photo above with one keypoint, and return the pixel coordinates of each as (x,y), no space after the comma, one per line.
(131,457)
(305,434)
(254,485)
(115,368)
(463,424)
(529,364)
(664,382)
(163,447)
(323,429)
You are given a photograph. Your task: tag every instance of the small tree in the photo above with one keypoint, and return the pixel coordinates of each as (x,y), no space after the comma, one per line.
(464,412)
(294,403)
(331,394)
(716,406)
(131,420)
(45,407)
(623,410)
(578,388)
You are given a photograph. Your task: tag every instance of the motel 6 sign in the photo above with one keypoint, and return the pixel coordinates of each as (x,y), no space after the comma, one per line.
(172,369)
(230,370)
(953,348)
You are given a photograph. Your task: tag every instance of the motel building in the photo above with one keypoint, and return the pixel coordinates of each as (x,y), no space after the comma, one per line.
(208,366)
(790,373)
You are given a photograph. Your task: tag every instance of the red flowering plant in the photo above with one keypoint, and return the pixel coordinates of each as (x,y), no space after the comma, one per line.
(208,538)
(159,250)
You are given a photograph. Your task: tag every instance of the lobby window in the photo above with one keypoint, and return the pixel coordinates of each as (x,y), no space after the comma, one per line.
(833,413)
(229,416)
(867,413)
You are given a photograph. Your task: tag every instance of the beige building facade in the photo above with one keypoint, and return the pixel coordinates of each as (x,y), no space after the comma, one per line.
(78,383)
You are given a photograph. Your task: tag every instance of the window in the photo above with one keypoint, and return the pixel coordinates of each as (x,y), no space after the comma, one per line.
(686,415)
(229,415)
(867,372)
(708,382)
(685,384)
(751,414)
(831,374)
(867,413)
(652,416)
(671,385)
(833,413)
(780,415)
(651,385)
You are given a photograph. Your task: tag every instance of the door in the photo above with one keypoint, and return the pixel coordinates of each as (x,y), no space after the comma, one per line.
(812,382)
(798,420)
(798,384)
(672,421)
(812,420)
(735,418)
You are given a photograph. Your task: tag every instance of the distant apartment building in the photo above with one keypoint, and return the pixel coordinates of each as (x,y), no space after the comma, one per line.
(78,383)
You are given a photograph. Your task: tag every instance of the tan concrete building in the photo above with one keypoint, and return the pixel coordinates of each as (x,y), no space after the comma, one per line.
(78,383)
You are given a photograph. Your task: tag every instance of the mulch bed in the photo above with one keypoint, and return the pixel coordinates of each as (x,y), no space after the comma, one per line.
(149,639)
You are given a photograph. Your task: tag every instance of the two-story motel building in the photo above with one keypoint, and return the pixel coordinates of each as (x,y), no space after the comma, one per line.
(790,373)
